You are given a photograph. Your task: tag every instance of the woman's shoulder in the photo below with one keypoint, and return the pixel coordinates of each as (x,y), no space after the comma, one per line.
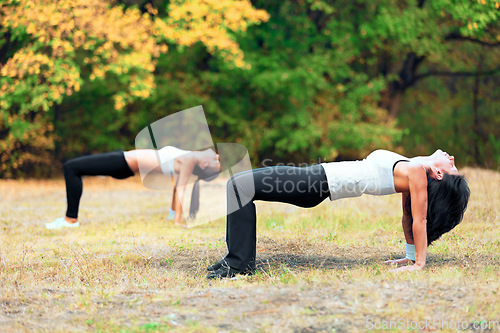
(406,173)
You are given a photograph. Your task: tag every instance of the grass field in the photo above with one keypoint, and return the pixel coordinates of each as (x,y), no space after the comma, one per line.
(126,269)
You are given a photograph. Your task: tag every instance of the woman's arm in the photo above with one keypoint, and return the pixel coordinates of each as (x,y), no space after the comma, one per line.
(187,164)
(406,221)
(417,179)
(406,224)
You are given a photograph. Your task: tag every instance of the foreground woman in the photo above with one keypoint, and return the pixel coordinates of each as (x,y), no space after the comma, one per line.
(434,198)
(170,161)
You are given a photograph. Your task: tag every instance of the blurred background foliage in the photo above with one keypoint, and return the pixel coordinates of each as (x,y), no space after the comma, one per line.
(294,81)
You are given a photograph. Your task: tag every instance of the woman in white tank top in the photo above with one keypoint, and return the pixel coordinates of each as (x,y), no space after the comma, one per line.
(180,164)
(170,161)
(434,199)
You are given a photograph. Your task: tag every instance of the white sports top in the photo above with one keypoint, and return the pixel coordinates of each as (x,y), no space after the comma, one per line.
(373,175)
(167,155)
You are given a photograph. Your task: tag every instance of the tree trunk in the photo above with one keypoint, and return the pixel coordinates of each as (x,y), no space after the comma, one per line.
(476,127)
(395,103)
(406,79)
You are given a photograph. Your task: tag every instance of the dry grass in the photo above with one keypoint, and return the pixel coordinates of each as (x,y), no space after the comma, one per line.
(127,269)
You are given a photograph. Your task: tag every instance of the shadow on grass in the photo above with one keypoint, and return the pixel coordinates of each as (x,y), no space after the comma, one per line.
(298,255)
(346,262)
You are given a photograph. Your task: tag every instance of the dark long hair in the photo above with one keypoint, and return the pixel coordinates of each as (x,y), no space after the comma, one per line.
(207,174)
(446,204)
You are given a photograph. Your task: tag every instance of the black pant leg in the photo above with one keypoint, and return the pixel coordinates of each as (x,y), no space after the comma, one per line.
(105,164)
(304,187)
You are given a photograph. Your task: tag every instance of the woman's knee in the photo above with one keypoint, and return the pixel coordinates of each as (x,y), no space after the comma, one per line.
(241,186)
(69,167)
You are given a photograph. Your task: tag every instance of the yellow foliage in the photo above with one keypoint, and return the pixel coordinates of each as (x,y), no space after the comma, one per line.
(208,21)
(66,26)
(71,37)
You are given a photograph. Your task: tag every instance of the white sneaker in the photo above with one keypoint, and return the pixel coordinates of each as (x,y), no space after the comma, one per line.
(61,223)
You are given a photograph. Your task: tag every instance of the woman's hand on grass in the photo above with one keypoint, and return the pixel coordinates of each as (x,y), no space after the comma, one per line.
(398,261)
(408,268)
(403,261)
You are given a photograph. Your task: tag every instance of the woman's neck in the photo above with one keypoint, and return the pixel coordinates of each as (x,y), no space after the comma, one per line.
(426,161)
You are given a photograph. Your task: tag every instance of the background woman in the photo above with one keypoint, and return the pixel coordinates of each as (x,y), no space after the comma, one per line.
(171,161)
(434,199)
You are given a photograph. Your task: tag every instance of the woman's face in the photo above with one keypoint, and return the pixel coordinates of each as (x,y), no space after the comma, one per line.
(444,162)
(210,160)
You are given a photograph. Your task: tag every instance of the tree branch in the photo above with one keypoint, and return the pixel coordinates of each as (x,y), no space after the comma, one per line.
(454,74)
(457,36)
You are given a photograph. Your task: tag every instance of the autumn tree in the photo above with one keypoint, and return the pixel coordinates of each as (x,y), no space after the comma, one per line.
(318,79)
(49,50)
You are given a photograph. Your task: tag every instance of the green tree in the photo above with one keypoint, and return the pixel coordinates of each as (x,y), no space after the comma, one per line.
(328,79)
(319,79)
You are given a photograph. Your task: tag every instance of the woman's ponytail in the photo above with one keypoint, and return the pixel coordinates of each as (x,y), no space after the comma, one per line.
(195,199)
(207,174)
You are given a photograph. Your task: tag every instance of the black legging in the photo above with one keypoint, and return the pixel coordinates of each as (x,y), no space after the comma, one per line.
(106,164)
(304,187)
